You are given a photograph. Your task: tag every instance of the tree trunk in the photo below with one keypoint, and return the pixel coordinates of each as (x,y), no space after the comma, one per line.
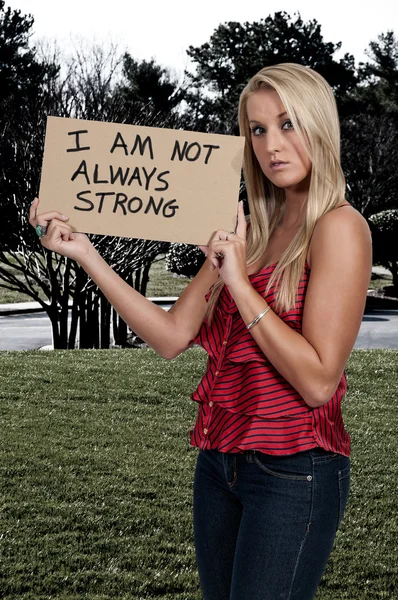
(145,279)
(115,326)
(119,330)
(53,312)
(54,318)
(73,324)
(89,320)
(64,314)
(137,280)
(122,333)
(105,312)
(95,321)
(82,300)
(80,280)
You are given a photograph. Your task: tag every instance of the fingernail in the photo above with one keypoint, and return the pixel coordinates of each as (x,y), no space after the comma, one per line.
(64,217)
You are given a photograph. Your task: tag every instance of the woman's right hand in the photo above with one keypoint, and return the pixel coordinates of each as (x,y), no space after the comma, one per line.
(59,236)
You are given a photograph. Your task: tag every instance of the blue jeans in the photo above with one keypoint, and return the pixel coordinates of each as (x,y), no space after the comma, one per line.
(265,525)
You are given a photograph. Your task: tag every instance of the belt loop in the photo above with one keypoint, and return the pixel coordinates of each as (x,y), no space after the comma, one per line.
(250,455)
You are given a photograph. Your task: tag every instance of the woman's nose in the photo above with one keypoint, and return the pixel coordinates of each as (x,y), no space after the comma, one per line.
(274,142)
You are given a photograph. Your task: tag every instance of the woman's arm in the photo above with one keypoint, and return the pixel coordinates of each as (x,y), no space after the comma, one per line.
(313,362)
(167,332)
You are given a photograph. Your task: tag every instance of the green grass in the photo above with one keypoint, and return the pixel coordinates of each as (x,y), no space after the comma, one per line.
(164,283)
(96,477)
(9,296)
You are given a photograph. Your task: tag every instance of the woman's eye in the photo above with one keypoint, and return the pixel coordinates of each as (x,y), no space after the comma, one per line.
(257,130)
(287,124)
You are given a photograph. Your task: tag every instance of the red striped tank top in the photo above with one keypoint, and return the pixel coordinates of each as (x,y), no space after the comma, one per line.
(244,403)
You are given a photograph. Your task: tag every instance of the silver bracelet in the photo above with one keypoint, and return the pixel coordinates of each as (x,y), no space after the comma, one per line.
(256,320)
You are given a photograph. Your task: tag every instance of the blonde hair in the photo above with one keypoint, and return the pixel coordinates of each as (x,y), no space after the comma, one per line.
(311,107)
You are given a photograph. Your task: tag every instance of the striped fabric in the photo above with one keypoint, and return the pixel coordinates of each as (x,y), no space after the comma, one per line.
(244,403)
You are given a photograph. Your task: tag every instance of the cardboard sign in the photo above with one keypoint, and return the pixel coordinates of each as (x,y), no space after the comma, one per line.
(141,182)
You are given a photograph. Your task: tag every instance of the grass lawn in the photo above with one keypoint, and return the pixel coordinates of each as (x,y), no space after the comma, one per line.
(164,283)
(96,477)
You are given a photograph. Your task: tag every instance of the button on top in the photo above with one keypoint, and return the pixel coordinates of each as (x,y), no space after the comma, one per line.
(224,343)
(216,373)
(211,403)
(205,431)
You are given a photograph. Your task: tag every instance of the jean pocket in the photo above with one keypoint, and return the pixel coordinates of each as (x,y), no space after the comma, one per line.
(320,456)
(282,474)
(344,488)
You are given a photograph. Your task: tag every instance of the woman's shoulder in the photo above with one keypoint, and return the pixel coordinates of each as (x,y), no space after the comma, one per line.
(344,215)
(343,224)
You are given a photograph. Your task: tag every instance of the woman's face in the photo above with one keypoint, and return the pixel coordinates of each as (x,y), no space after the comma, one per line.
(279,151)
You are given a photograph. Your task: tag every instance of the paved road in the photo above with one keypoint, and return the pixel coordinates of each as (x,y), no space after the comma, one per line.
(25,332)
(379,329)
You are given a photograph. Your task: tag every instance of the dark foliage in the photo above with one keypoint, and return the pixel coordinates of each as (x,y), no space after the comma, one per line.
(184,259)
(237,51)
(369,159)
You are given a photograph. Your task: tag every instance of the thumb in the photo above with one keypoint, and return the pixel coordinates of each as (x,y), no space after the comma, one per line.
(242,225)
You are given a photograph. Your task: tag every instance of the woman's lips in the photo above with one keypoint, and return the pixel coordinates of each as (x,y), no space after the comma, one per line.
(277,166)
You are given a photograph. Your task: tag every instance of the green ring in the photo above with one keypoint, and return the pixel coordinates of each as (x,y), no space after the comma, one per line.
(41,230)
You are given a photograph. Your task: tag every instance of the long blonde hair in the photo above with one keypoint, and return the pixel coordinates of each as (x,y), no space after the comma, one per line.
(311,107)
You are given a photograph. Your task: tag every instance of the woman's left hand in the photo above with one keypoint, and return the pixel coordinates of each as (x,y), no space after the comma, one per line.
(227,252)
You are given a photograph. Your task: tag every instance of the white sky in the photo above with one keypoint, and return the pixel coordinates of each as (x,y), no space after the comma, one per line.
(164,29)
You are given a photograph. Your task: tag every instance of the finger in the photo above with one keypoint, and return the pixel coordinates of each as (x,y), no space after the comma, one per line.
(216,263)
(43,217)
(68,234)
(204,249)
(50,216)
(61,225)
(53,238)
(32,210)
(221,235)
(242,225)
(216,255)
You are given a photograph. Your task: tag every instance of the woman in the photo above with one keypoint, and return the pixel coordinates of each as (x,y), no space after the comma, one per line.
(278,306)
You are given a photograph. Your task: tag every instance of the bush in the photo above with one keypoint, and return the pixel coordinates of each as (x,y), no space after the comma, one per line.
(184,259)
(384,227)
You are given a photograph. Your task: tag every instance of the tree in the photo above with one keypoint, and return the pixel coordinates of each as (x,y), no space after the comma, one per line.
(86,91)
(21,93)
(148,87)
(237,51)
(184,259)
(21,73)
(369,158)
(380,76)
